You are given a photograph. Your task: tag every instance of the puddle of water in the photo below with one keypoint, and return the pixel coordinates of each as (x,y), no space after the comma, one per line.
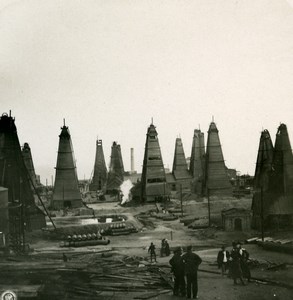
(89,221)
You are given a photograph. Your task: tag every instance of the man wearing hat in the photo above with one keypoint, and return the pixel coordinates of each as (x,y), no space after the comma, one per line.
(222,259)
(178,271)
(191,262)
(236,271)
(244,257)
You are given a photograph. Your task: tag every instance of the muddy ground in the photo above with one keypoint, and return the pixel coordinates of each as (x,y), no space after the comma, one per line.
(206,242)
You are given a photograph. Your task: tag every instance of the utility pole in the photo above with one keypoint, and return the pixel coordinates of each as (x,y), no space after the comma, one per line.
(181,200)
(165,196)
(261,213)
(209,208)
(46,189)
(22,214)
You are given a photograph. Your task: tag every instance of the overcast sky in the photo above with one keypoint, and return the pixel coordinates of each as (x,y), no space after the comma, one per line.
(108,67)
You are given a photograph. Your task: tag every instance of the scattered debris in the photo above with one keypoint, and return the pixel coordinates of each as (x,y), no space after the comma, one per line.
(52,278)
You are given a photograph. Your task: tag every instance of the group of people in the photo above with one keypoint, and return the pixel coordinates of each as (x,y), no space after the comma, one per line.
(235,262)
(181,266)
(185,265)
(164,251)
(165,248)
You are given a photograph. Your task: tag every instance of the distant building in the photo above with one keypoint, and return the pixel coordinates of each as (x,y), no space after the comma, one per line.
(236,219)
(133,177)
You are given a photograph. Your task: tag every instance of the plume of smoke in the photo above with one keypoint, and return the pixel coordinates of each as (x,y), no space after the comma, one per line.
(125,188)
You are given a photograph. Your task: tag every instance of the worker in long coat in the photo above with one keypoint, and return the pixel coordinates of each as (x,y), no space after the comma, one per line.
(177,268)
(244,258)
(223,259)
(235,258)
(191,262)
(167,248)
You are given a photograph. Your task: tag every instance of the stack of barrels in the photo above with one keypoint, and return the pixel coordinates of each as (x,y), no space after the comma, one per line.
(121,229)
(80,240)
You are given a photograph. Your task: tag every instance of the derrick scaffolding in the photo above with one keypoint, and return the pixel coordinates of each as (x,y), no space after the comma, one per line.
(16,228)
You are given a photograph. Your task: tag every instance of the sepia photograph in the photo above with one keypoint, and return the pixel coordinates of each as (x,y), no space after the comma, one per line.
(145,149)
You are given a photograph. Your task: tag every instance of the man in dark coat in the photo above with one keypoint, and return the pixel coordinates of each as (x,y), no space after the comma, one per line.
(244,257)
(191,262)
(163,247)
(152,251)
(167,248)
(223,259)
(178,271)
(236,271)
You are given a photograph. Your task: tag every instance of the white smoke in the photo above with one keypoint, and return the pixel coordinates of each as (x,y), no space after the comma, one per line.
(125,188)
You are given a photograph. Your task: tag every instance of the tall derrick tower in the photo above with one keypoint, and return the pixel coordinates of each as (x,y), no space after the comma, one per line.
(217,182)
(100,170)
(262,174)
(66,192)
(197,162)
(28,161)
(116,169)
(279,195)
(180,170)
(277,185)
(153,182)
(23,212)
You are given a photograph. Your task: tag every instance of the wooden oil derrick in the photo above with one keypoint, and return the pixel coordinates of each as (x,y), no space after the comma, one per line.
(273,200)
(278,199)
(217,182)
(100,170)
(261,177)
(23,214)
(66,191)
(180,169)
(197,162)
(153,187)
(28,161)
(116,170)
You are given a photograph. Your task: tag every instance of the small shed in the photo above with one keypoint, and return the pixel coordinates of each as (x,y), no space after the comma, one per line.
(236,219)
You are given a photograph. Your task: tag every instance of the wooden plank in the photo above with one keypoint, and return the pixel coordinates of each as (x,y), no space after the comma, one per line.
(151,294)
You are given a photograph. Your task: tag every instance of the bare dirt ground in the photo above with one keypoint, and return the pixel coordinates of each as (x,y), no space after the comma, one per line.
(206,242)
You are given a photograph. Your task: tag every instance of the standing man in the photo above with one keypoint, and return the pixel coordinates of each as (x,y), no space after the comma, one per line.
(163,247)
(178,271)
(222,259)
(152,251)
(167,248)
(191,262)
(244,257)
(236,271)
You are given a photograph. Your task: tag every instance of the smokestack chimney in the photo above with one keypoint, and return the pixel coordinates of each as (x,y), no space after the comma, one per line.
(131,160)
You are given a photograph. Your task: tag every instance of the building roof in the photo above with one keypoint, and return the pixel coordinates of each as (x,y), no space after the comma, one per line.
(236,211)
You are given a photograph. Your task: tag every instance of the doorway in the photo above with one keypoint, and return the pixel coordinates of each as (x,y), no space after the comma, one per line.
(238,224)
